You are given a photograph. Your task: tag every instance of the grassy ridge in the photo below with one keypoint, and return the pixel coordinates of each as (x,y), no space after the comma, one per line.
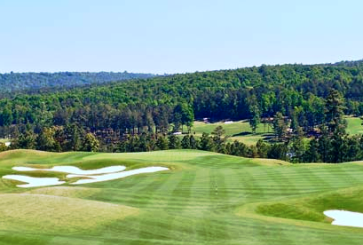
(206,198)
(312,207)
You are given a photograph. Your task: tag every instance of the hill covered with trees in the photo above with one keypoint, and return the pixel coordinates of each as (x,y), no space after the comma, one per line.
(304,100)
(10,82)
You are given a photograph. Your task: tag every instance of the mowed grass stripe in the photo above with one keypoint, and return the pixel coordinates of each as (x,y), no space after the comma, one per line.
(252,186)
(306,180)
(127,196)
(281,181)
(194,209)
(164,194)
(150,228)
(171,218)
(354,175)
(210,229)
(235,187)
(223,204)
(333,176)
(180,195)
(201,190)
(314,179)
(222,192)
(182,223)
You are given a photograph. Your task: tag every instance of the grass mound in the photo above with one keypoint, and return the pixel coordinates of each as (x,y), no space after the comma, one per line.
(312,208)
(45,213)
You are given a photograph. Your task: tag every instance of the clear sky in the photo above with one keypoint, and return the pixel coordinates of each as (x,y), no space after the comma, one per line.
(160,36)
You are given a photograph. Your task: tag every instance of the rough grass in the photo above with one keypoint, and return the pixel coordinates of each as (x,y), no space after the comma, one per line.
(207,198)
(37,212)
(65,191)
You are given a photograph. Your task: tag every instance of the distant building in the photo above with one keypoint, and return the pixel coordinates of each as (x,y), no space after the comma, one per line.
(206,120)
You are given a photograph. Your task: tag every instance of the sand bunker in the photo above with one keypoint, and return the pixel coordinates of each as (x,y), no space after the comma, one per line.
(33,181)
(345,218)
(92,176)
(113,176)
(74,170)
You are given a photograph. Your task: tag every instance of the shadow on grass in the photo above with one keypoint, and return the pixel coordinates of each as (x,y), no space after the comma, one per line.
(266,137)
(251,134)
(242,134)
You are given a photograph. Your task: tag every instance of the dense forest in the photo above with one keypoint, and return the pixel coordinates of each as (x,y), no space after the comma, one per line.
(304,100)
(31,82)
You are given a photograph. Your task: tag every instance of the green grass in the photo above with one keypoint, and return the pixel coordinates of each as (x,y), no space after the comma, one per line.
(239,130)
(206,198)
(354,125)
(4,140)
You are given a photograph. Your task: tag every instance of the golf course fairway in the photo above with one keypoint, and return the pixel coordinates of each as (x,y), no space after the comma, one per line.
(203,198)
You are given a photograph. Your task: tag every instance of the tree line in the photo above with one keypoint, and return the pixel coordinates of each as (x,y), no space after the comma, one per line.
(293,96)
(331,144)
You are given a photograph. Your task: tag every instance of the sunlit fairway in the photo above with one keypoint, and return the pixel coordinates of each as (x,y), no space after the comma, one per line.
(238,130)
(354,125)
(205,198)
(241,130)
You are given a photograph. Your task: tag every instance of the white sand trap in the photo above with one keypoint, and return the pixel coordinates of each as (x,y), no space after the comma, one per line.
(74,170)
(113,176)
(33,181)
(345,218)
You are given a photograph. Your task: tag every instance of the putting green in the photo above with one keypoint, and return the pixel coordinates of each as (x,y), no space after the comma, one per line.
(205,198)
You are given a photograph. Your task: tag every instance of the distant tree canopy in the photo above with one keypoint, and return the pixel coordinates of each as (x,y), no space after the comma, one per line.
(246,93)
(31,81)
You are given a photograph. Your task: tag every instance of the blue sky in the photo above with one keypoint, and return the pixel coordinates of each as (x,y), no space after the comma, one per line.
(175,36)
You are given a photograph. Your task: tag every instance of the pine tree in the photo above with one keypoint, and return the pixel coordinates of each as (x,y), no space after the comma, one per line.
(324,145)
(297,146)
(334,112)
(162,143)
(26,140)
(194,144)
(206,143)
(185,143)
(255,118)
(91,143)
(262,148)
(45,140)
(312,154)
(279,125)
(218,138)
(174,142)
